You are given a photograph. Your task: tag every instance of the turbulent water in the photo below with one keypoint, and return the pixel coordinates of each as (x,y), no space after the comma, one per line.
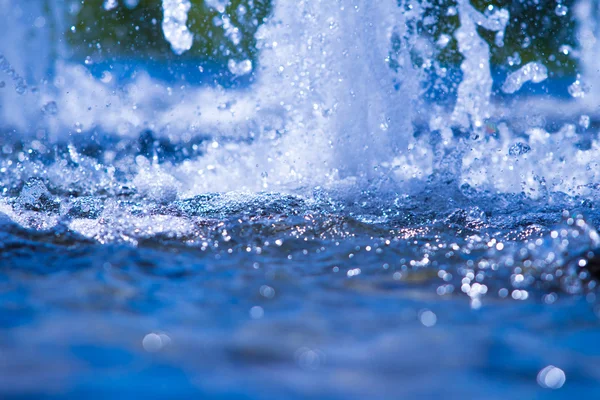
(326,230)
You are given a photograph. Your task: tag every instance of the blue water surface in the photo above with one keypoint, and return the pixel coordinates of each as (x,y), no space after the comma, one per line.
(289,296)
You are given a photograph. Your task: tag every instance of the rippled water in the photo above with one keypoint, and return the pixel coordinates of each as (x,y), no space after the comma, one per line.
(381,295)
(322,226)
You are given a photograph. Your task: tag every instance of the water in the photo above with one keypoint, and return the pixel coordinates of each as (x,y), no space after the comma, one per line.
(531,72)
(323,219)
(175,14)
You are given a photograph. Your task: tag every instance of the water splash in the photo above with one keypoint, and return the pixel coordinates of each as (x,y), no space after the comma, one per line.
(531,72)
(239,68)
(175,15)
(319,177)
(336,81)
(110,5)
(473,107)
(335,98)
(19,81)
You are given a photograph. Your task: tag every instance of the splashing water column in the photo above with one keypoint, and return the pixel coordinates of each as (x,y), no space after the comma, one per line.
(373,105)
(21,71)
(473,102)
(585,86)
(328,63)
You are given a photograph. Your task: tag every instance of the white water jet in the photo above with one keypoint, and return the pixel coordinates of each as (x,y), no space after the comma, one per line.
(28,45)
(329,64)
(473,106)
(586,86)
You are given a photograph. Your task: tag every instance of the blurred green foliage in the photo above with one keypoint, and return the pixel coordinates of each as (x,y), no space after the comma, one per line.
(535,31)
(136,32)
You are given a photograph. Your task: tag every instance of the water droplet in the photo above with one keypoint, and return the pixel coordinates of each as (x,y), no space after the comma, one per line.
(110,4)
(131,4)
(531,72)
(578,89)
(551,377)
(257,312)
(518,149)
(20,85)
(239,68)
(267,291)
(50,108)
(309,359)
(443,40)
(428,318)
(154,342)
(561,10)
